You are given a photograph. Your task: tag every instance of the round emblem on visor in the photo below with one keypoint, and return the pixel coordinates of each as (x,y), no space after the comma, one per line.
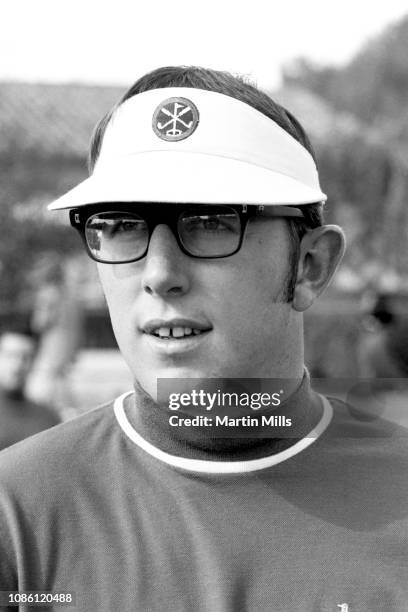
(175,119)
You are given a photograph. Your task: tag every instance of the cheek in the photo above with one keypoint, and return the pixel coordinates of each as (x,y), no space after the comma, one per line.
(116,285)
(119,294)
(256,285)
(249,314)
(252,296)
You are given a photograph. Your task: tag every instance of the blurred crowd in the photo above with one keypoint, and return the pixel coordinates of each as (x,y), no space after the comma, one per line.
(36,355)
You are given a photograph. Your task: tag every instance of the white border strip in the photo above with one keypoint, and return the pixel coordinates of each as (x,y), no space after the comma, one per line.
(220,467)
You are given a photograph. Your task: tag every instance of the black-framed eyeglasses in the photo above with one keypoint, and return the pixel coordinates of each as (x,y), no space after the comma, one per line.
(120,232)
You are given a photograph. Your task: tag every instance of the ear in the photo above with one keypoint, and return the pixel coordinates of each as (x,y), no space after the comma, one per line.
(321,251)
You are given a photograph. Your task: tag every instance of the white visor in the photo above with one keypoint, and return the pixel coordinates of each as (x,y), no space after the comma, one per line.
(186,145)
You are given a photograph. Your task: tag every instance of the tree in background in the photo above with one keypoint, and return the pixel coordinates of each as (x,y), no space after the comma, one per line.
(363,147)
(373,86)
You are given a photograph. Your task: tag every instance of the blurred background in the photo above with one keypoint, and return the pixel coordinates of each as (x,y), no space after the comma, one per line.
(340,68)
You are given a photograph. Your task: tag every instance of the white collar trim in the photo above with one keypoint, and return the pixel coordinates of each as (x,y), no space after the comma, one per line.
(220,467)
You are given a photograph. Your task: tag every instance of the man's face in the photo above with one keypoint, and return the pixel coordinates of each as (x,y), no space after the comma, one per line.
(231,313)
(16,358)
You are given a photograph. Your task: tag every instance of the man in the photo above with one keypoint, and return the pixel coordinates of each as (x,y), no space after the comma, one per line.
(19,417)
(204,215)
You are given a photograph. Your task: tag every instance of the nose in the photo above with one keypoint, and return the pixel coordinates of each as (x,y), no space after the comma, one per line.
(166,266)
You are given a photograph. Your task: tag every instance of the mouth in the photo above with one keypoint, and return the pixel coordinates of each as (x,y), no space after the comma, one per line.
(175,329)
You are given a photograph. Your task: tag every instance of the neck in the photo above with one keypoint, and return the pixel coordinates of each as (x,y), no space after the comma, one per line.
(301,406)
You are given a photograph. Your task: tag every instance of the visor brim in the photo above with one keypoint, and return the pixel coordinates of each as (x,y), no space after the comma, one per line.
(179,177)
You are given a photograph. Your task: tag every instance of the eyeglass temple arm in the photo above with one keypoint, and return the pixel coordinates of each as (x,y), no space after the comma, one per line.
(278,211)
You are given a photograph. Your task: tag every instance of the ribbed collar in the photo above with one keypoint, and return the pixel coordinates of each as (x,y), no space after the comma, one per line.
(151,421)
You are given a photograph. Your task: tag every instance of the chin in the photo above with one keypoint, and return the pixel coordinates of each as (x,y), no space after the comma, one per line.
(173,379)
(175,373)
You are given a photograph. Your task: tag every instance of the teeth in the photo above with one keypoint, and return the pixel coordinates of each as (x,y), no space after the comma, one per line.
(175,332)
(163,332)
(178,332)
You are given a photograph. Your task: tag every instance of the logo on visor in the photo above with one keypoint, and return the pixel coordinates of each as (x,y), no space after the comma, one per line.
(175,119)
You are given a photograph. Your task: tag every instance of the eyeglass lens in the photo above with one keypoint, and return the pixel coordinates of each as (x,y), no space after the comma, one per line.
(124,236)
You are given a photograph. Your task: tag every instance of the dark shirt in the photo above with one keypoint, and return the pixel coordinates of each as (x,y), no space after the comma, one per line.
(84,508)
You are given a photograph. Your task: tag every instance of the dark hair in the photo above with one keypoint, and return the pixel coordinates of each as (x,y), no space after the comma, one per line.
(239,88)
